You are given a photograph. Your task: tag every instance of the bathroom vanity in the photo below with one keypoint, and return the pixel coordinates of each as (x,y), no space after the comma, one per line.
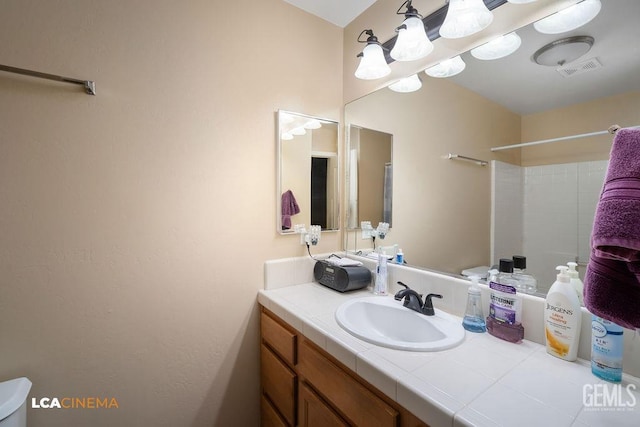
(315,373)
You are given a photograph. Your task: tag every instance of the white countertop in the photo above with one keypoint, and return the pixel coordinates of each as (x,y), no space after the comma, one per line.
(482,382)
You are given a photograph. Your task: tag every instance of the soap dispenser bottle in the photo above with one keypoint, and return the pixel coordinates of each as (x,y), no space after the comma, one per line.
(473,320)
(562,316)
(576,282)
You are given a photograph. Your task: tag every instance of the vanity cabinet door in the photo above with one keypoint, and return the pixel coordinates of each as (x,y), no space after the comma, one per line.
(314,412)
(269,415)
(350,397)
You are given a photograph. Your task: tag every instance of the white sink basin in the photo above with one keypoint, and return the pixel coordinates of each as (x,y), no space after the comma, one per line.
(385,322)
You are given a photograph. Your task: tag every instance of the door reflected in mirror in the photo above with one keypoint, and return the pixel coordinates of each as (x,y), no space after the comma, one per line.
(307,172)
(369,176)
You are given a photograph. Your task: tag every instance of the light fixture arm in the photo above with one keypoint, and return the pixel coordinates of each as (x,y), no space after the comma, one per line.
(410,12)
(371,39)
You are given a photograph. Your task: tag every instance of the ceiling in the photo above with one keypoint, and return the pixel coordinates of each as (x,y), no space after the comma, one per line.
(338,12)
(523,86)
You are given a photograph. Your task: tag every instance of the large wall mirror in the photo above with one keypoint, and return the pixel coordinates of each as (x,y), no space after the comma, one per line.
(369,176)
(308,180)
(443,216)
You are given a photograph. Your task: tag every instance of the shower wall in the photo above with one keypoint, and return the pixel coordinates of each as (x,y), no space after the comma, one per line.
(554,206)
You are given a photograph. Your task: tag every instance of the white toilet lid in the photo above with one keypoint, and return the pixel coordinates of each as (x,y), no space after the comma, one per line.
(13,393)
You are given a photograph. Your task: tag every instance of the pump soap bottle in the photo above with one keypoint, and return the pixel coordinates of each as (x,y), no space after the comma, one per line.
(562,316)
(576,282)
(473,317)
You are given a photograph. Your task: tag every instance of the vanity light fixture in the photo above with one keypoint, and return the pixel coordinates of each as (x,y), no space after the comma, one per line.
(412,42)
(497,48)
(407,84)
(570,18)
(373,65)
(447,68)
(521,1)
(465,17)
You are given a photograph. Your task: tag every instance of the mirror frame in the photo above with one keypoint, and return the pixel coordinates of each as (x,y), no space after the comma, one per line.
(338,191)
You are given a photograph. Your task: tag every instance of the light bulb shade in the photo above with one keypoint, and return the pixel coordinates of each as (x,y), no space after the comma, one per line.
(465,17)
(298,131)
(412,42)
(570,18)
(372,64)
(313,124)
(521,1)
(447,68)
(497,48)
(407,84)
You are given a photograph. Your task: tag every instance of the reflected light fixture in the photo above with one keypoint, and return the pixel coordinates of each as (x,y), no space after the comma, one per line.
(570,18)
(298,131)
(465,17)
(286,136)
(447,68)
(372,65)
(313,124)
(497,48)
(407,84)
(521,1)
(412,42)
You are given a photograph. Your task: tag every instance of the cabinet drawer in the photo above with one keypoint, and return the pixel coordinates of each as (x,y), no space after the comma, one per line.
(279,384)
(314,412)
(279,338)
(360,406)
(269,416)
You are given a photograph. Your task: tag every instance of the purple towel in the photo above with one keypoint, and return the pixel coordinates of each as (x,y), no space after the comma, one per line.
(289,207)
(612,280)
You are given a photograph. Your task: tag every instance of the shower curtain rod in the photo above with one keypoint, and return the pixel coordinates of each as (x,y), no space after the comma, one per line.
(469,159)
(612,130)
(89,86)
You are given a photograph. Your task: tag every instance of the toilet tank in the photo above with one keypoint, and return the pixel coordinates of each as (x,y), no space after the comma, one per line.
(13,402)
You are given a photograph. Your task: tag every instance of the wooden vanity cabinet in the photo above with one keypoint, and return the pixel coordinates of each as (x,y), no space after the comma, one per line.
(303,385)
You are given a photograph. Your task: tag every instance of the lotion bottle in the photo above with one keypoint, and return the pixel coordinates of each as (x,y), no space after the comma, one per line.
(562,316)
(576,282)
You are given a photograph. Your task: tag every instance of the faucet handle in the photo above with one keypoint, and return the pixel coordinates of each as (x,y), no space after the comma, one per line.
(427,308)
(402,284)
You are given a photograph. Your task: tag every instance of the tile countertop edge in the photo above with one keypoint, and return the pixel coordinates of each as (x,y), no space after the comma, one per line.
(309,308)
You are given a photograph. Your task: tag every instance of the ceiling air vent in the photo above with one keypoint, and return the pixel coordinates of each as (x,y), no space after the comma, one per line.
(579,68)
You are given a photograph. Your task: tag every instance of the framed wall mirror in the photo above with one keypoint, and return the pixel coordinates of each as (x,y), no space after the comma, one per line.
(442,209)
(369,180)
(307,179)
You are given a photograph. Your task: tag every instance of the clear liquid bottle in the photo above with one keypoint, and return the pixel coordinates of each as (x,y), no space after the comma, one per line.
(473,320)
(524,282)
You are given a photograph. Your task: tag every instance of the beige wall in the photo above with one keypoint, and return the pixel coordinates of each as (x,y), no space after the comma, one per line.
(441,208)
(134,224)
(587,117)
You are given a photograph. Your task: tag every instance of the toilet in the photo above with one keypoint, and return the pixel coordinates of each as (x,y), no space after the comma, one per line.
(13,402)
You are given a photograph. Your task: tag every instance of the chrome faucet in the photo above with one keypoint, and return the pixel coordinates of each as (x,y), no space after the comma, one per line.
(413,300)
